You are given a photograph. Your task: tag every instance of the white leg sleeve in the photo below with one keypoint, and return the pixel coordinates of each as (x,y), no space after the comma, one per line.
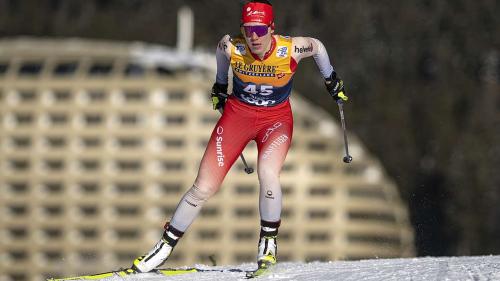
(189,207)
(270,196)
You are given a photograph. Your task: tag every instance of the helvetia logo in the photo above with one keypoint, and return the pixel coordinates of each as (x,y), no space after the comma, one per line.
(218,146)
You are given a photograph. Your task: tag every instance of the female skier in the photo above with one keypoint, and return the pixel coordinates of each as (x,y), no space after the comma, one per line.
(258,109)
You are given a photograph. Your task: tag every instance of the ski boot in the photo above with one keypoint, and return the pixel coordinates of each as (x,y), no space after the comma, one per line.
(267,248)
(161,251)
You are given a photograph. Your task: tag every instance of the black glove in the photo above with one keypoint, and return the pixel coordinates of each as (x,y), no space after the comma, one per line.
(219,95)
(335,86)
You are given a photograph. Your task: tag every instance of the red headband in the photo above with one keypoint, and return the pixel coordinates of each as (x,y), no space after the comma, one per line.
(257,12)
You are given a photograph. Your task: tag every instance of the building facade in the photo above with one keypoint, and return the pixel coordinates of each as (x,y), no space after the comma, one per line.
(99,141)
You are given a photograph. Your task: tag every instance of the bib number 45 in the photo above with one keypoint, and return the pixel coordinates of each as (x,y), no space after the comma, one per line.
(264,90)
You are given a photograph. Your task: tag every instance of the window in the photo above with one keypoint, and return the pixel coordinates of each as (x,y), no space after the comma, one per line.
(308,123)
(286,235)
(171,165)
(163,71)
(287,213)
(88,256)
(53,255)
(88,187)
(91,142)
(53,210)
(88,210)
(129,119)
(322,168)
(208,234)
(65,68)
(128,187)
(61,96)
(372,216)
(18,187)
(124,256)
(90,165)
(19,164)
(288,167)
(24,119)
(100,69)
(21,142)
(58,119)
(52,233)
(318,237)
(173,143)
(355,170)
(93,119)
(18,256)
(18,233)
(209,212)
(176,96)
(287,190)
(30,68)
(54,165)
(127,211)
(27,96)
(373,192)
(128,165)
(4,66)
(244,235)
(317,146)
(55,142)
(88,233)
(244,212)
(174,120)
(96,95)
(374,239)
(318,214)
(168,210)
(171,188)
(127,233)
(245,189)
(320,191)
(134,96)
(209,120)
(53,187)
(18,210)
(134,70)
(129,142)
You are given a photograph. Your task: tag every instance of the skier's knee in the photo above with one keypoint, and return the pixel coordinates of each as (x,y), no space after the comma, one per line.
(200,194)
(268,175)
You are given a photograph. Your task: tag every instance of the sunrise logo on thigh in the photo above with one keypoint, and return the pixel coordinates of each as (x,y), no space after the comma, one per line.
(218,146)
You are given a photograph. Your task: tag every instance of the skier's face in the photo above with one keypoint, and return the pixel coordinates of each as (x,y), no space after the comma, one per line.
(257,36)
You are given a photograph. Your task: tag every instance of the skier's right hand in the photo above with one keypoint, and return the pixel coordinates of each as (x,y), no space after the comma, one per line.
(219,95)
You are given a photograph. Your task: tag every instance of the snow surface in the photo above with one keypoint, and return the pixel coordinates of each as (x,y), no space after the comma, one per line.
(442,268)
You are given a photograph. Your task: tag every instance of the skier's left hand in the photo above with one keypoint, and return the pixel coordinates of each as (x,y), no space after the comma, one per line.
(219,95)
(335,86)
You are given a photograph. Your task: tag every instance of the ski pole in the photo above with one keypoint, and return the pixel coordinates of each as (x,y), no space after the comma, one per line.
(248,169)
(347,158)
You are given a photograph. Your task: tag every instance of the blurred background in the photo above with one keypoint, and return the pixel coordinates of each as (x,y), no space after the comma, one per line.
(424,117)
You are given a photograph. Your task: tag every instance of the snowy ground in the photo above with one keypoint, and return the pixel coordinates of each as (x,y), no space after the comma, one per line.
(426,269)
